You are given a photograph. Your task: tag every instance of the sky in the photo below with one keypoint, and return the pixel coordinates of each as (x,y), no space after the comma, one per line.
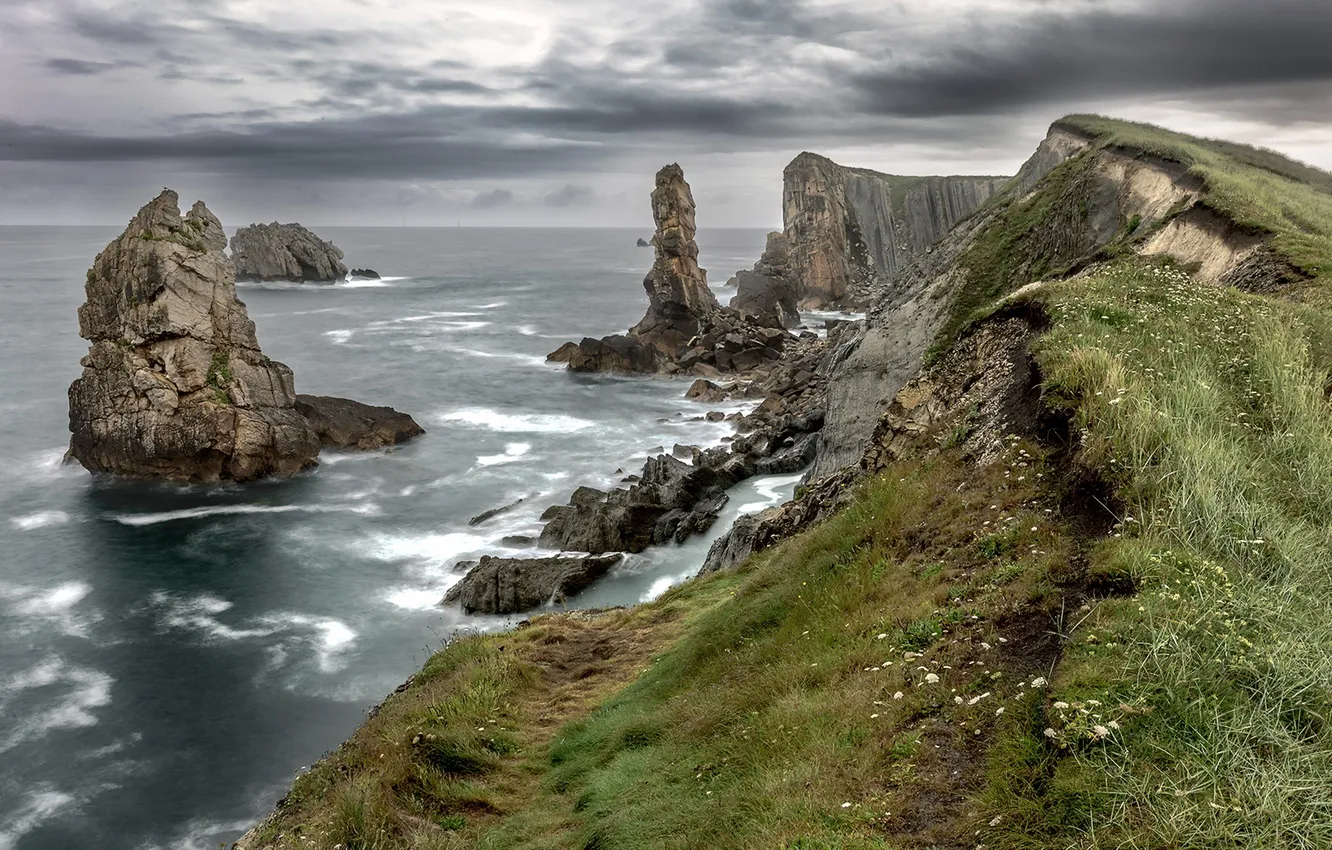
(558,113)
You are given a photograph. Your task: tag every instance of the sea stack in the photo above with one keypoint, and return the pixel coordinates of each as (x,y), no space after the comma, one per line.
(287,252)
(769,291)
(680,303)
(174,385)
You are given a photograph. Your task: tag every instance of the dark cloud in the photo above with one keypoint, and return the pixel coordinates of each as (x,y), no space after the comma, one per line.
(570,196)
(79,67)
(492,199)
(1184,47)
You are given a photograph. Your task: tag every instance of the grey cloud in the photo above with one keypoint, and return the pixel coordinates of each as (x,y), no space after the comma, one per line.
(1193,46)
(79,67)
(570,196)
(491,200)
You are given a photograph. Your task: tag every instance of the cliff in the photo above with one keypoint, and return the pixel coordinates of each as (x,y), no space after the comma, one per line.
(852,230)
(286,252)
(1070,592)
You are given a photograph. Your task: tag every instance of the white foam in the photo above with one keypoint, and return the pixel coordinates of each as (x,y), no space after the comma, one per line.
(514,423)
(199,613)
(41,805)
(333,638)
(416,598)
(87,690)
(227,510)
(42,465)
(339,337)
(512,453)
(40,519)
(431,549)
(527,330)
(658,587)
(55,606)
(362,283)
(491,306)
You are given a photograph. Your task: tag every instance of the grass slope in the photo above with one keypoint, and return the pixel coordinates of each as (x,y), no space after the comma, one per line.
(964,657)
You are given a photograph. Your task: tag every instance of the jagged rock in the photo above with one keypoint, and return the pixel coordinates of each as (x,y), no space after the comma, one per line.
(345,424)
(510,585)
(174,385)
(769,292)
(643,243)
(852,229)
(679,300)
(494,512)
(705,390)
(285,252)
(366,274)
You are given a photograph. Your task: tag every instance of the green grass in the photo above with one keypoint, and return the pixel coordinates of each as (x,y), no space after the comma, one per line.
(1252,186)
(1207,409)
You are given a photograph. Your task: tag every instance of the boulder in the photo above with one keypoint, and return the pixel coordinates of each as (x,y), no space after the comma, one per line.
(366,274)
(617,353)
(285,252)
(345,424)
(510,585)
(174,385)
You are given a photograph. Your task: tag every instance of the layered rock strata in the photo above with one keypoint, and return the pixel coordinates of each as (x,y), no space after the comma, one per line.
(286,252)
(852,230)
(174,385)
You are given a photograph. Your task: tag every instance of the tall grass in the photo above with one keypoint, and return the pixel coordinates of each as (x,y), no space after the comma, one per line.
(1208,408)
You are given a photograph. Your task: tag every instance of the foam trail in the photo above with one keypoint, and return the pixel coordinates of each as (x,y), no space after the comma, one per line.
(339,337)
(512,453)
(41,805)
(89,689)
(228,510)
(514,423)
(40,519)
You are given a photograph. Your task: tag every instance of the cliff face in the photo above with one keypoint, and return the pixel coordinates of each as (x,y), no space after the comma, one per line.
(174,385)
(852,229)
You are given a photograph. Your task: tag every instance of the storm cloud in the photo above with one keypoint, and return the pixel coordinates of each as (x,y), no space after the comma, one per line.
(449,103)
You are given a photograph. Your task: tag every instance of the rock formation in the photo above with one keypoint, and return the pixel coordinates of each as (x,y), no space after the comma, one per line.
(345,424)
(852,229)
(285,252)
(769,292)
(685,329)
(510,585)
(643,243)
(174,385)
(365,274)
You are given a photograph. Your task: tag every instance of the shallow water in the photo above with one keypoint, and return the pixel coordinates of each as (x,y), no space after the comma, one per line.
(170,657)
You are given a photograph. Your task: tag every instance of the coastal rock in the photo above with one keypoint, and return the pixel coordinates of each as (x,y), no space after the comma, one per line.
(679,299)
(769,292)
(852,230)
(174,385)
(643,243)
(365,274)
(345,424)
(285,252)
(510,585)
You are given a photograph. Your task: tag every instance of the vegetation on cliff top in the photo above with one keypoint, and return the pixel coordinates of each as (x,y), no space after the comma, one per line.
(1006,657)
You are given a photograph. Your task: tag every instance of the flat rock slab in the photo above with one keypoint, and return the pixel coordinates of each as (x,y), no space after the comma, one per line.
(345,424)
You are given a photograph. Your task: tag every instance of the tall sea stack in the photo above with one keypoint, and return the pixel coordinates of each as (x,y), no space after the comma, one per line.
(174,385)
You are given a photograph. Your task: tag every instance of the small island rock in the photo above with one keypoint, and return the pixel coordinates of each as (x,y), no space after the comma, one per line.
(285,252)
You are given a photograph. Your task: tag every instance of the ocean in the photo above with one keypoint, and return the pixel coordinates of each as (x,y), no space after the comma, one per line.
(172,657)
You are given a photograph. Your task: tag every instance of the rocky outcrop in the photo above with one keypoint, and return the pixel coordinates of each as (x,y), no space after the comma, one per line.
(643,243)
(174,385)
(510,585)
(364,274)
(285,252)
(345,424)
(852,230)
(685,329)
(769,292)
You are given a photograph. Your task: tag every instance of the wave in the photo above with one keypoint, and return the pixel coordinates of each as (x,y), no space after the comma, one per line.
(32,606)
(339,337)
(424,317)
(228,510)
(328,637)
(491,306)
(41,805)
(87,690)
(42,465)
(430,549)
(362,283)
(513,453)
(514,423)
(40,519)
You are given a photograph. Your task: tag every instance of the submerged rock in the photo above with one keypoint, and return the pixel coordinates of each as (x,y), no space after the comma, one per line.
(174,385)
(345,424)
(510,585)
(285,252)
